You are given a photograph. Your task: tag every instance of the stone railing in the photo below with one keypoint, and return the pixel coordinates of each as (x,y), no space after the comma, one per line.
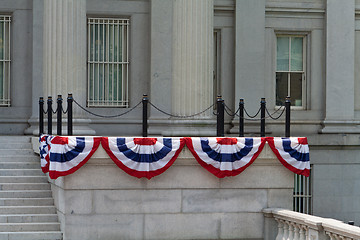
(281,224)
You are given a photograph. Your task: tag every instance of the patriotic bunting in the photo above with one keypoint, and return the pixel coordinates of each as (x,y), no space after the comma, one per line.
(68,154)
(149,157)
(292,152)
(44,148)
(143,157)
(225,156)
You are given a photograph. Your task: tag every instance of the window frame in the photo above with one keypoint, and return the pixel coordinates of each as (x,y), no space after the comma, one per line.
(305,44)
(5,60)
(122,64)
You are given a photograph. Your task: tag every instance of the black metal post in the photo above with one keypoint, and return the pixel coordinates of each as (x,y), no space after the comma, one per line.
(220,117)
(49,112)
(41,116)
(59,114)
(287,116)
(145,101)
(241,118)
(70,114)
(262,125)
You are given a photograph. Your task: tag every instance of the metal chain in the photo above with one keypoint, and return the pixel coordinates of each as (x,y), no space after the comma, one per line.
(109,116)
(275,118)
(231,114)
(180,116)
(62,109)
(254,115)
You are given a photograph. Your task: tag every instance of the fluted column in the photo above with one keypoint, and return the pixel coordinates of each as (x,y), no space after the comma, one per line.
(192,86)
(65,55)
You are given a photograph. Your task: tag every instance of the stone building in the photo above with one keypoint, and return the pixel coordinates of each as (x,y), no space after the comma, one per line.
(183,53)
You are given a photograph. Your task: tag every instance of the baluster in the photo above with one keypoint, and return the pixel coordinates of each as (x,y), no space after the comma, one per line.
(291,232)
(286,230)
(296,231)
(302,233)
(280,230)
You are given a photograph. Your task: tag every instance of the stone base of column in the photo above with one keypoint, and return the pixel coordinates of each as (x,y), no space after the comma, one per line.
(340,126)
(189,127)
(80,127)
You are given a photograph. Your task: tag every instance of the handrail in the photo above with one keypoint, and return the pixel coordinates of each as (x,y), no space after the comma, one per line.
(299,226)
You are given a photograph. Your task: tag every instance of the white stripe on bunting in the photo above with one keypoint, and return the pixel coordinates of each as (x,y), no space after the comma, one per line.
(143,157)
(68,154)
(292,152)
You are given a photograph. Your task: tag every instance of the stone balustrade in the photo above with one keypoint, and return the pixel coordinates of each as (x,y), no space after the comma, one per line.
(298,226)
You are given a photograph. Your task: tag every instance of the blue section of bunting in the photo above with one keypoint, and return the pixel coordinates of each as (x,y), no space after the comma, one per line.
(303,157)
(227,157)
(145,158)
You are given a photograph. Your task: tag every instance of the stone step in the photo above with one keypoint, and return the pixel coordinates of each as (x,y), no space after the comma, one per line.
(26,201)
(17,158)
(27,210)
(26,194)
(15,139)
(23,179)
(28,218)
(20,165)
(29,227)
(51,235)
(15,145)
(20,151)
(22,172)
(24,186)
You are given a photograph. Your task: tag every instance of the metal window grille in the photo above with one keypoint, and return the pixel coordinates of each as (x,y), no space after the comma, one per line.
(302,198)
(5,60)
(108,62)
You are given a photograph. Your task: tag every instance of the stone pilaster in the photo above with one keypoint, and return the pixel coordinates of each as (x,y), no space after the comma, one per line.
(182,31)
(192,88)
(340,57)
(249,54)
(65,55)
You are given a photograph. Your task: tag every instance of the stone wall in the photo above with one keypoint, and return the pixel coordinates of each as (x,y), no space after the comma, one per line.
(100,201)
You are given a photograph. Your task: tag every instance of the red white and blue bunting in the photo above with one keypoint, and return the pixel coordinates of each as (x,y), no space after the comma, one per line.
(149,157)
(225,157)
(68,154)
(292,152)
(143,157)
(44,148)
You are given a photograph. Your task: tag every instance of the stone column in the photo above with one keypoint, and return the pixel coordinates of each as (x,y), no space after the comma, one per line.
(192,83)
(65,55)
(340,57)
(182,66)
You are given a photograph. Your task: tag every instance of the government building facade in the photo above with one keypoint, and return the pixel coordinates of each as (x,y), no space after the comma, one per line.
(183,54)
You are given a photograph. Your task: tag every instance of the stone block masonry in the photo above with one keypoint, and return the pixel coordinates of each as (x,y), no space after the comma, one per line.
(100,201)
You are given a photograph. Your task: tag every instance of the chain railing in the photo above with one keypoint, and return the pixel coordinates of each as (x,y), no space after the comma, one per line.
(221,109)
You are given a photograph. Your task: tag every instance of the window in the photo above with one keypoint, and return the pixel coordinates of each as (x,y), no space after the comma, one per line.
(5,60)
(302,199)
(107,62)
(290,70)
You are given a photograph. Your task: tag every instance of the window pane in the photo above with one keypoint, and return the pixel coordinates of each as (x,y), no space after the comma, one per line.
(282,54)
(296,54)
(281,88)
(296,89)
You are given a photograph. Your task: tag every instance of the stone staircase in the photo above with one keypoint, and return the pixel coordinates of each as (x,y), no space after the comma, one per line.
(27,208)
